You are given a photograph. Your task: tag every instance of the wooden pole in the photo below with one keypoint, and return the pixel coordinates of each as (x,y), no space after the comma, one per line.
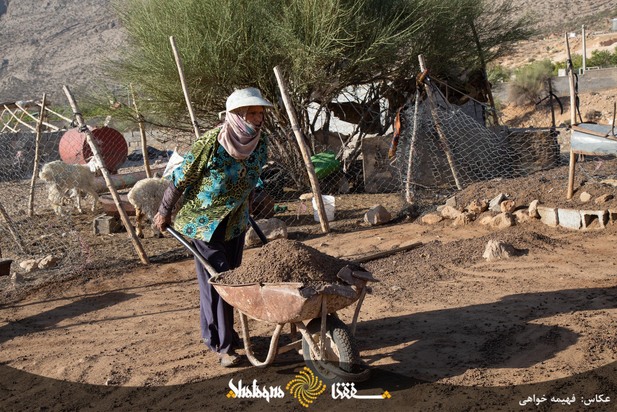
(438,127)
(570,71)
(25,111)
(37,155)
(409,192)
(19,120)
(12,229)
(56,113)
(321,211)
(105,173)
(142,134)
(184,88)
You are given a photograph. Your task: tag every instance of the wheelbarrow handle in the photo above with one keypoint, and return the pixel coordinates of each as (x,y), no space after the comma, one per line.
(194,251)
(258,230)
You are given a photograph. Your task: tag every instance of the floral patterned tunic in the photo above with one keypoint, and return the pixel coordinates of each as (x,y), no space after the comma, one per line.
(216,186)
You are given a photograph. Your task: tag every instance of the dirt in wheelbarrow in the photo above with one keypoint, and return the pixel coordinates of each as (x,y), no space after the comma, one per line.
(443,330)
(285,260)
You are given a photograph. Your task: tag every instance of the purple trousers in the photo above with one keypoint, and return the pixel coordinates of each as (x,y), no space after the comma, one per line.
(217,316)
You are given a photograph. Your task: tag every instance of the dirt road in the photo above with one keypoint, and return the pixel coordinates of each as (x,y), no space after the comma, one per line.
(443,330)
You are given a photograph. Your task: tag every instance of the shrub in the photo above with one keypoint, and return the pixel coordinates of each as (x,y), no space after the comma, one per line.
(530,83)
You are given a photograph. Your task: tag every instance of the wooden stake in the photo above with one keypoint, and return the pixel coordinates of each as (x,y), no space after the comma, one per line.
(35,167)
(442,136)
(184,88)
(409,192)
(12,229)
(56,113)
(25,111)
(19,119)
(142,133)
(572,167)
(99,161)
(321,211)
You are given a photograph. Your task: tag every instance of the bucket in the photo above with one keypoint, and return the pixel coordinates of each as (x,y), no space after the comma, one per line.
(329,206)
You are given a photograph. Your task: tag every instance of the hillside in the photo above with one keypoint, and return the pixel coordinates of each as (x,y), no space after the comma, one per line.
(46,44)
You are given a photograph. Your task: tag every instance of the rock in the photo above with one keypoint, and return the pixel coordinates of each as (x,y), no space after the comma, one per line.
(603,199)
(521,216)
(29,265)
(493,205)
(451,202)
(533,209)
(477,206)
(585,197)
(507,206)
(463,219)
(16,279)
(272,228)
(377,215)
(496,249)
(440,208)
(548,215)
(306,196)
(610,182)
(450,213)
(431,218)
(47,262)
(502,221)
(486,219)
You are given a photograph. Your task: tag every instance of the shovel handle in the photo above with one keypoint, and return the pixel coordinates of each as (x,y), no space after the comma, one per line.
(258,230)
(194,251)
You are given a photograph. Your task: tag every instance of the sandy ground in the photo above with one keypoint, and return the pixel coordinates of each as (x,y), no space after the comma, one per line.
(443,330)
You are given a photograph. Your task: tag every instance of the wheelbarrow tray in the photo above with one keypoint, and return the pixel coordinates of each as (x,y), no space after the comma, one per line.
(284,302)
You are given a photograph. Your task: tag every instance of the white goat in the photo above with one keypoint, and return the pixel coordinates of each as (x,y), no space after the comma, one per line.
(146,197)
(72,178)
(58,199)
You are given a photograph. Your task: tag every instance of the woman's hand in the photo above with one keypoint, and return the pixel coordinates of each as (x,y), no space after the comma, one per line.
(162,222)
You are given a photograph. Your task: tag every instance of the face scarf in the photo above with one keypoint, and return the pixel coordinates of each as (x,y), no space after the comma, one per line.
(238,137)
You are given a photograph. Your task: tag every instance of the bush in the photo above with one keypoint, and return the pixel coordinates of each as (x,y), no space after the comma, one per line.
(530,83)
(498,74)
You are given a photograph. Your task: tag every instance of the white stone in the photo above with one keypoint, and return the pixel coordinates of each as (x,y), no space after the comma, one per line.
(47,262)
(493,205)
(533,209)
(569,218)
(496,249)
(29,265)
(548,215)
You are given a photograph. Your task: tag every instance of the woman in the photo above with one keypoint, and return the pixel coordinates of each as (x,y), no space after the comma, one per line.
(217,177)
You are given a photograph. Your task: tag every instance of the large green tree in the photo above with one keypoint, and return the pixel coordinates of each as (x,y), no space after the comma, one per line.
(323,46)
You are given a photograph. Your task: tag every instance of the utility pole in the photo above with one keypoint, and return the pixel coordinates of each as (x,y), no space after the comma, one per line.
(584,50)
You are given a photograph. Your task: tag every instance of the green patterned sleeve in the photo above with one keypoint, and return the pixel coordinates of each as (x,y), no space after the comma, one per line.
(195,161)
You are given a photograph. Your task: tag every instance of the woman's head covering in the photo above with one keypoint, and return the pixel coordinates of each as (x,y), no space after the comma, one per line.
(237,136)
(250,96)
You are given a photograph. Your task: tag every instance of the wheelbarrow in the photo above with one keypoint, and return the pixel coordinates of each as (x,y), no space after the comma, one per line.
(326,343)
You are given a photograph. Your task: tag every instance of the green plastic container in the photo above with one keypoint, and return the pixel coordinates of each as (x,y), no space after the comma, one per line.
(325,164)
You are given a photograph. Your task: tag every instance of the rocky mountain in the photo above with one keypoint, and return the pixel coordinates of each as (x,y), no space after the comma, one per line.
(45,44)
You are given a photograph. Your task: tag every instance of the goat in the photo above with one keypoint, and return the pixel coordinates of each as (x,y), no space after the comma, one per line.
(146,196)
(72,178)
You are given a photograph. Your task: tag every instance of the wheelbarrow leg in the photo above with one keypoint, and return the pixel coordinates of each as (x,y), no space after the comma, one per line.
(272,351)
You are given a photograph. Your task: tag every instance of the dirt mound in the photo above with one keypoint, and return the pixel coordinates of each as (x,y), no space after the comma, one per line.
(284,260)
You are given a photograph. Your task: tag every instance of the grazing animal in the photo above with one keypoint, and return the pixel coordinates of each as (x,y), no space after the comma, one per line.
(70,178)
(146,197)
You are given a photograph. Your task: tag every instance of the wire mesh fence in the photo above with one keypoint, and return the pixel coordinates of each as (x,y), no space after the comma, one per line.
(444,149)
(71,224)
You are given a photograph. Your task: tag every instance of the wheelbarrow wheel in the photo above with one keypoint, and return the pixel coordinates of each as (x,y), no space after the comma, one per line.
(342,359)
